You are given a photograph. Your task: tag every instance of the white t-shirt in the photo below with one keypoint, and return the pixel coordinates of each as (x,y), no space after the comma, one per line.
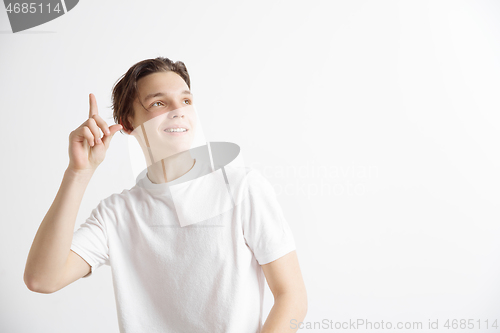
(203,277)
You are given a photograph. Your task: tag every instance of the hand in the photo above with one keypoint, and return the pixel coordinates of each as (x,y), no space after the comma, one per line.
(86,147)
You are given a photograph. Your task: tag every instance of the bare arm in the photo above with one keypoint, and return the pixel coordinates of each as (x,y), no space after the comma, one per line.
(290,298)
(50,249)
(50,265)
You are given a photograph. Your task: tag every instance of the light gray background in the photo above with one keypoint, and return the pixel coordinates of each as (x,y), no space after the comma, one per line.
(397,101)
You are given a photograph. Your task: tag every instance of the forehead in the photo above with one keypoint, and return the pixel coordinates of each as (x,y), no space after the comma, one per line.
(169,82)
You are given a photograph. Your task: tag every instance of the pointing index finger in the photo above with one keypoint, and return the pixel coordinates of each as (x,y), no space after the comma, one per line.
(93,105)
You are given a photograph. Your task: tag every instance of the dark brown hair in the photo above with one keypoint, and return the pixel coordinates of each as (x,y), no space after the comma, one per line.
(125,89)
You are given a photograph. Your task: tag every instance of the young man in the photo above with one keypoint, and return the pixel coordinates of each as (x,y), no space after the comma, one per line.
(206,275)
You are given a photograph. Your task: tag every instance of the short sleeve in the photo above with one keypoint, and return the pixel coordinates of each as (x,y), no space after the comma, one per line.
(265,229)
(90,240)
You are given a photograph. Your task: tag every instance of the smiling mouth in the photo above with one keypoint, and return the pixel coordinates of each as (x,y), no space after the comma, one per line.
(176,130)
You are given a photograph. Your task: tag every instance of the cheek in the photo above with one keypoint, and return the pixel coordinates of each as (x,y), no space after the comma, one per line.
(149,118)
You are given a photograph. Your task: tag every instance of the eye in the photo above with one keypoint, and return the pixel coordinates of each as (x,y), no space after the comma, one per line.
(154,104)
(187,99)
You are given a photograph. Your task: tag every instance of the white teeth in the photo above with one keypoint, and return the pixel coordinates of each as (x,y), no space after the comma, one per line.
(176,130)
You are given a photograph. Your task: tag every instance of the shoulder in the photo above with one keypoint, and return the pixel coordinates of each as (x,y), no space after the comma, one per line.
(246,173)
(119,200)
(249,183)
(258,182)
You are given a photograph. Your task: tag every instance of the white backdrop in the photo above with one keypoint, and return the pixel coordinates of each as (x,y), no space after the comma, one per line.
(376,121)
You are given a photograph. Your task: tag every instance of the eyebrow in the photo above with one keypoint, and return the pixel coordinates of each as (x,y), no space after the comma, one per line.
(158,94)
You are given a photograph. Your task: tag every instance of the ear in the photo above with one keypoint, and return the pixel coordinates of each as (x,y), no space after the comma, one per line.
(124,130)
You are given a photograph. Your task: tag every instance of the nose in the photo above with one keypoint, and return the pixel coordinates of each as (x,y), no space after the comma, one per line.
(177,113)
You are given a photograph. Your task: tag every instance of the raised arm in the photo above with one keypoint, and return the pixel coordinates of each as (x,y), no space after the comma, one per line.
(50,264)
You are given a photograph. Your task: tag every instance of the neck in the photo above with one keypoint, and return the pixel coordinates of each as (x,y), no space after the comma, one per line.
(170,168)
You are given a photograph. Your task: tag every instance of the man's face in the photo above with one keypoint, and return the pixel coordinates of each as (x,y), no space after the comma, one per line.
(165,96)
(167,109)
(159,93)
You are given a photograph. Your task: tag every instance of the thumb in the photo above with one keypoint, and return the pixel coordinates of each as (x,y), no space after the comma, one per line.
(112,130)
